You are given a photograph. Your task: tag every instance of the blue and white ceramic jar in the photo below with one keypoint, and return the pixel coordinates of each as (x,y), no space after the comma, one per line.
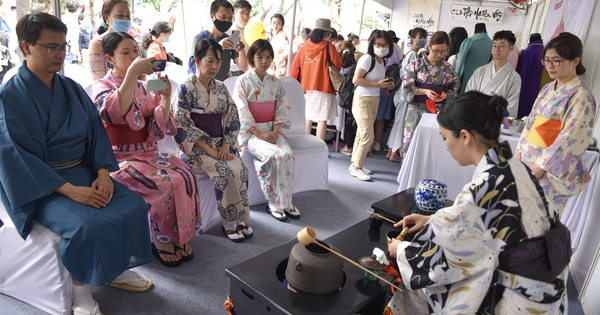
(430,195)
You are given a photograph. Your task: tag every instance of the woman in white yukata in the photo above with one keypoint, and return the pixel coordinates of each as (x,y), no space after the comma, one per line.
(264,109)
(487,253)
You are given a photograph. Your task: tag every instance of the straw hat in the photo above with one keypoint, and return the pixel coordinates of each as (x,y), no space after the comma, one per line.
(324,25)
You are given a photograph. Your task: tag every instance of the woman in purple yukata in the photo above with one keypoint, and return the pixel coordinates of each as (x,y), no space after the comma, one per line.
(56,160)
(135,120)
(264,109)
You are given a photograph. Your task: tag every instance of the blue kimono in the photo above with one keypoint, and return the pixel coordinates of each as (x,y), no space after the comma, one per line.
(39,127)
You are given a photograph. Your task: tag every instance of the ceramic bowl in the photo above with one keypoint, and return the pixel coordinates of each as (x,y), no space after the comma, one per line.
(430,195)
(375,222)
(391,235)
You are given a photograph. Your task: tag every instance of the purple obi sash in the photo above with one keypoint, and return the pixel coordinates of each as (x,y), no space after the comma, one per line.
(423,98)
(210,123)
(262,111)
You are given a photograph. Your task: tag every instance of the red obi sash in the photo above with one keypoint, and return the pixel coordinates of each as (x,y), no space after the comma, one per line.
(262,111)
(120,134)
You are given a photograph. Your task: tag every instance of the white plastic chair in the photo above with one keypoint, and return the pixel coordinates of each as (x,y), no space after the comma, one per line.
(31,270)
(10,73)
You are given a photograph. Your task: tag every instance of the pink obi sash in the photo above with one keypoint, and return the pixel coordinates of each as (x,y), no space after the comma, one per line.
(262,111)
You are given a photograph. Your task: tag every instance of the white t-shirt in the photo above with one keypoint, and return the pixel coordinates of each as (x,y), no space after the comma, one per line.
(376,75)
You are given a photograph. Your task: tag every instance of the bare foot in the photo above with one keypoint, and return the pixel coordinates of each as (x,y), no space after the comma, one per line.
(181,252)
(387,156)
(396,157)
(169,248)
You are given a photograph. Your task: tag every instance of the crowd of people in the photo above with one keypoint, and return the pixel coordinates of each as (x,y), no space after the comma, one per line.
(73,154)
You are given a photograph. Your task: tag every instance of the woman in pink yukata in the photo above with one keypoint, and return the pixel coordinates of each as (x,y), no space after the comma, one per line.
(264,109)
(135,120)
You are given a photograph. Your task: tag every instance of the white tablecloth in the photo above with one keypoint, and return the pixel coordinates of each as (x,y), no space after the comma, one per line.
(427,158)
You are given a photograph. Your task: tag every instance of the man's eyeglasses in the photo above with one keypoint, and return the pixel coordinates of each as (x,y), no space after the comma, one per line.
(439,52)
(55,48)
(552,62)
(499,47)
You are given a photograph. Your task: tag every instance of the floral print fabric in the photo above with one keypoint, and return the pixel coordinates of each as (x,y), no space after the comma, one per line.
(274,163)
(450,263)
(168,185)
(280,43)
(230,177)
(422,71)
(575,107)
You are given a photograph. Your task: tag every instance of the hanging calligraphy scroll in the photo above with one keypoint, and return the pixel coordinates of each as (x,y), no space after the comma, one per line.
(475,14)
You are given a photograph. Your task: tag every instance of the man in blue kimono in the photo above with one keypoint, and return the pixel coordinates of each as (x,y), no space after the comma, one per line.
(55,159)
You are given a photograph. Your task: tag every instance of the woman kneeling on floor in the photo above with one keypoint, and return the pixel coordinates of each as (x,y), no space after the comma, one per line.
(476,256)
(264,109)
(135,120)
(207,130)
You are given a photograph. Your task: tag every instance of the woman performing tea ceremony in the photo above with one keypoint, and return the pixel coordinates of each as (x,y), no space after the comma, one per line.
(463,257)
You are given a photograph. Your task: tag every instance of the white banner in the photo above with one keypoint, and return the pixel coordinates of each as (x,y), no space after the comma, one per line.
(423,19)
(475,14)
(568,16)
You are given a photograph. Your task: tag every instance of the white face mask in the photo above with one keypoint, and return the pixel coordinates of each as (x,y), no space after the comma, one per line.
(381,52)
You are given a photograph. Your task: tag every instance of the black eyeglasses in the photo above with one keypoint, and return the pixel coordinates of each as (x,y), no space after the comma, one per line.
(55,48)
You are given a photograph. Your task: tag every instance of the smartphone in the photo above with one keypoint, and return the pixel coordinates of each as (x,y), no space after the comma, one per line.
(235,37)
(161,65)
(157,84)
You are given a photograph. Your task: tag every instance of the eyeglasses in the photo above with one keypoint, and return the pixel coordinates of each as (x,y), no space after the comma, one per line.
(381,45)
(499,47)
(55,48)
(245,13)
(439,52)
(552,62)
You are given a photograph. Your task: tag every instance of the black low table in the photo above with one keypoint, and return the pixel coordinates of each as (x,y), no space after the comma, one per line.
(256,289)
(399,205)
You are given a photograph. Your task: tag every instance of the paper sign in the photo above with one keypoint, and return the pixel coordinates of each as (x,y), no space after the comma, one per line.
(476,14)
(424,19)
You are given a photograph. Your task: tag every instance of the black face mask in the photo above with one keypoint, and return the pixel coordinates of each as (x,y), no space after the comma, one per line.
(222,26)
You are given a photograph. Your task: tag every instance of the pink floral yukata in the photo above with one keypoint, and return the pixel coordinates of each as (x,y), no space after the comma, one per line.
(575,107)
(168,185)
(274,163)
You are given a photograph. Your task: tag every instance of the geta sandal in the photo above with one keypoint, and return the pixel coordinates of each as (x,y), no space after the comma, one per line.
(279,215)
(186,258)
(132,281)
(292,213)
(245,229)
(157,252)
(78,310)
(231,233)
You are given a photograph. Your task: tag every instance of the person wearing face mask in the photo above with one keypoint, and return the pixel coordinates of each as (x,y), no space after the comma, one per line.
(115,17)
(242,11)
(311,69)
(418,40)
(429,77)
(161,31)
(221,14)
(369,78)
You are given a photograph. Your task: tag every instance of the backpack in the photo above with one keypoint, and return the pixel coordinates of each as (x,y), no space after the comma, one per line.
(393,72)
(346,92)
(191,62)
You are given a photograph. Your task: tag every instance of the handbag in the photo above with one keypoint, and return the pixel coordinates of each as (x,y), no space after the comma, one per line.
(335,77)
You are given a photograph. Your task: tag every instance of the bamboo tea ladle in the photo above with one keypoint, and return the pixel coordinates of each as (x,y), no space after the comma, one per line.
(379,215)
(308,236)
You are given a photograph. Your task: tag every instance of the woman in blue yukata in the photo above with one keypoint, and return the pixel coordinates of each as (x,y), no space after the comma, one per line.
(264,110)
(207,130)
(56,159)
(476,256)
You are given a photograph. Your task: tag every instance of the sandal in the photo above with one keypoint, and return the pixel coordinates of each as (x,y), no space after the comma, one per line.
(157,252)
(279,215)
(186,258)
(131,281)
(231,235)
(292,213)
(246,230)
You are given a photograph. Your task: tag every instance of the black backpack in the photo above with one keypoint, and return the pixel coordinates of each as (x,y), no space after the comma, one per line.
(346,92)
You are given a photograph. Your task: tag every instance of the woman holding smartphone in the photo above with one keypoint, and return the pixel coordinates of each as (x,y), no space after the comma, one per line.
(369,77)
(135,120)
